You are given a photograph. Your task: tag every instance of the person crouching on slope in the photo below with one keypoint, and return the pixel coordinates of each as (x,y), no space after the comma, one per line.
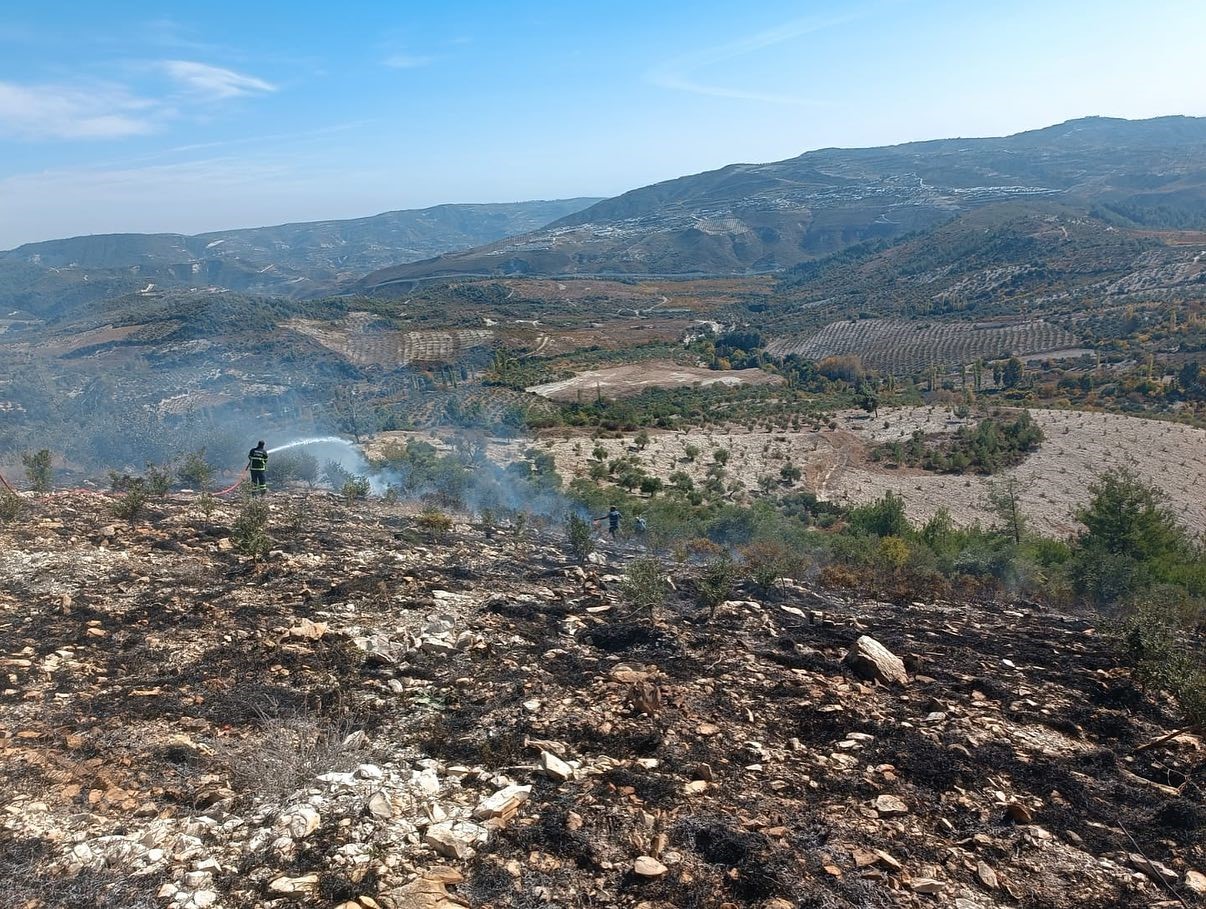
(257,463)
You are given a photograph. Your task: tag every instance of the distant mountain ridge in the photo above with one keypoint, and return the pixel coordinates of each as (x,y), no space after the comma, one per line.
(297,259)
(747,218)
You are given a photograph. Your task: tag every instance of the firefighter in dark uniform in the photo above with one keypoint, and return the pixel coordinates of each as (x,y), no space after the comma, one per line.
(257,463)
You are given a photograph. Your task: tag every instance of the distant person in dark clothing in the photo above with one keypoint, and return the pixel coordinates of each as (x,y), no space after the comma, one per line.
(613,521)
(257,463)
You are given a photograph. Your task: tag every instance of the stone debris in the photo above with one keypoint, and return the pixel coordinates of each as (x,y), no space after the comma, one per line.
(370,720)
(986,876)
(1153,869)
(873,661)
(305,885)
(556,768)
(503,803)
(647,866)
(890,806)
(1195,882)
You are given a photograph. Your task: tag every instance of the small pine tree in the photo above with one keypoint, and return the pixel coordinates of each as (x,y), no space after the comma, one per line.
(38,469)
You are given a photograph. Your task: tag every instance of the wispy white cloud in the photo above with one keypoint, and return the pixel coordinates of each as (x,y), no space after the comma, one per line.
(214,82)
(678,82)
(407,61)
(679,73)
(74,112)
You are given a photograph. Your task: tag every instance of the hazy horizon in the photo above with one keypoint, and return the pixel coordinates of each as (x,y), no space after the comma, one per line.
(119,120)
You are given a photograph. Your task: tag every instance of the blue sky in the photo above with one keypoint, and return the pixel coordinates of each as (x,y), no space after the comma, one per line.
(190,117)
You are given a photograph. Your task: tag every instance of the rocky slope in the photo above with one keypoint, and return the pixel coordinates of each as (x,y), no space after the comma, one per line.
(766,217)
(375,716)
(290,260)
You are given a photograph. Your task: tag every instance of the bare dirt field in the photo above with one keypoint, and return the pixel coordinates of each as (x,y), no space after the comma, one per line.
(834,462)
(625,381)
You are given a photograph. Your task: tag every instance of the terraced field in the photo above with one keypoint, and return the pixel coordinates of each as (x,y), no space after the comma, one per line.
(900,347)
(354,340)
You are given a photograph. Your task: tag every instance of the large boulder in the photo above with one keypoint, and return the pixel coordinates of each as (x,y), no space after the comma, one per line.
(874,662)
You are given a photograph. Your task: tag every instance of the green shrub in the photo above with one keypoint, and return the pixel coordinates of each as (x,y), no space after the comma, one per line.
(131,505)
(12,506)
(581,536)
(335,474)
(992,445)
(884,517)
(715,584)
(157,481)
(355,488)
(1158,634)
(1131,541)
(651,486)
(434,523)
(249,532)
(297,465)
(206,504)
(645,586)
(39,469)
(766,562)
(194,470)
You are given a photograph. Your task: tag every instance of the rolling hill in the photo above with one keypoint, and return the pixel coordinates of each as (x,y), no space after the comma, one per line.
(293,260)
(750,218)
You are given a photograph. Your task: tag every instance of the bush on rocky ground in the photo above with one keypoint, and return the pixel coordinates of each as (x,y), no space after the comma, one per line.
(289,751)
(249,533)
(12,506)
(645,587)
(130,506)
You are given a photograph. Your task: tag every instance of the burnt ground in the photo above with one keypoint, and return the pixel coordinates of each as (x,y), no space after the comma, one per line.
(168,705)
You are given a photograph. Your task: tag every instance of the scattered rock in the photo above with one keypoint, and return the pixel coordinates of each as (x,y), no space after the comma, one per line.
(926,885)
(648,866)
(986,875)
(503,803)
(304,885)
(1019,813)
(380,806)
(890,806)
(454,840)
(301,822)
(874,662)
(1195,881)
(1153,869)
(554,767)
(307,630)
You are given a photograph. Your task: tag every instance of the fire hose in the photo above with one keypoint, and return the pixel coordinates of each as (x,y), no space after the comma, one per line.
(233,486)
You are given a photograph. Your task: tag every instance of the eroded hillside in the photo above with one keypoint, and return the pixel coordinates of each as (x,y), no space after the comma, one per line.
(385,712)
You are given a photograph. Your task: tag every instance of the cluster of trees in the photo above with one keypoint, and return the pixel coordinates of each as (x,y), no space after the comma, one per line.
(993,444)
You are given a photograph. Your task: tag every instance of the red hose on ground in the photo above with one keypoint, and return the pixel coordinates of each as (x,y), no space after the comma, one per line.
(234,485)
